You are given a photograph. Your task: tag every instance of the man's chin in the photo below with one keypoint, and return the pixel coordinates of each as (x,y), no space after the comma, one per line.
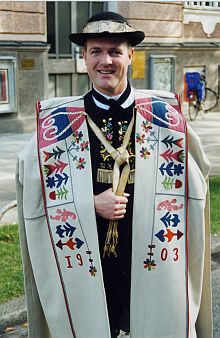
(106,89)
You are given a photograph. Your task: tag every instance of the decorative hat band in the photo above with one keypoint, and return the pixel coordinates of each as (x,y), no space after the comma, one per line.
(107,26)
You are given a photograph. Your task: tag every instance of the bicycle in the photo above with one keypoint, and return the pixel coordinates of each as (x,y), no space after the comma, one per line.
(196,105)
(201,98)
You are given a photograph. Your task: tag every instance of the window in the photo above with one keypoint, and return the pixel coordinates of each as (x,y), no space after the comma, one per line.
(64,17)
(162,72)
(7,85)
(59,27)
(60,85)
(85,10)
(206,4)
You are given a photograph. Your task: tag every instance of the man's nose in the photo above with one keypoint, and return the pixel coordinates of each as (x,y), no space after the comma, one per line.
(106,59)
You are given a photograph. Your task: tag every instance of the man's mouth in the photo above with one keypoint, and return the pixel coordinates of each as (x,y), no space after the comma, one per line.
(105,72)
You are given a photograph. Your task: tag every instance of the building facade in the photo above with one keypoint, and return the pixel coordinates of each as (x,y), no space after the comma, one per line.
(38,61)
(23,62)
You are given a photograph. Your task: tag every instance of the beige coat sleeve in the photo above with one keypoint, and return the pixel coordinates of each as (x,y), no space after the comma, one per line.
(204,322)
(37,325)
(204,327)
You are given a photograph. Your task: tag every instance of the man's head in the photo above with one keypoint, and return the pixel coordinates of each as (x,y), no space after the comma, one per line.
(108,39)
(107,62)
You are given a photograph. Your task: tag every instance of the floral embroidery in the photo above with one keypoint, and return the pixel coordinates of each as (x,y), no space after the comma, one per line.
(92,270)
(81,163)
(60,194)
(63,215)
(56,166)
(169,155)
(171,169)
(56,153)
(169,235)
(149,264)
(77,136)
(65,229)
(78,145)
(169,205)
(144,153)
(140,138)
(169,183)
(148,138)
(145,126)
(108,133)
(107,127)
(84,145)
(123,126)
(57,180)
(169,141)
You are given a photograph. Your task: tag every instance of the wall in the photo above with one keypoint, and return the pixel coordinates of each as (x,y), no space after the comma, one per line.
(23,36)
(155,19)
(22,21)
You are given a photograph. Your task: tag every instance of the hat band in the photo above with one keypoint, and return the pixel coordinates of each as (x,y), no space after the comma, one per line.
(107,26)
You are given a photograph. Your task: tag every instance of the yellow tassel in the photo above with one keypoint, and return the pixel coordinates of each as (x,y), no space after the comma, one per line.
(131,177)
(105,176)
(111,240)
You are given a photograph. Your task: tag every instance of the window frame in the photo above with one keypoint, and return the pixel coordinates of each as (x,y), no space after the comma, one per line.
(152,58)
(202,5)
(8,64)
(73,24)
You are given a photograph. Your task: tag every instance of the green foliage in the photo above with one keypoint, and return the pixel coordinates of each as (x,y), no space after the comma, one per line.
(11,276)
(214,183)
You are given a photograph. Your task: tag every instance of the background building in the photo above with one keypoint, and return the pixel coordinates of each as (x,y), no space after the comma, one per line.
(38,61)
(23,62)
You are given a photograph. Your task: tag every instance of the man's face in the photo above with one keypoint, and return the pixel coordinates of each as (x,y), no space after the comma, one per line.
(107,62)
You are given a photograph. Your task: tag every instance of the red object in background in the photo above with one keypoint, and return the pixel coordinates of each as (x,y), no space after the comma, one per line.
(3,86)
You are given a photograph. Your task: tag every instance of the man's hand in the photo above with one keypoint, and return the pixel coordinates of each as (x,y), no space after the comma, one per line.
(110,206)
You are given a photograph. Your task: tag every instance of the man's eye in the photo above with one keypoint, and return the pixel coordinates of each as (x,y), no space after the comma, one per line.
(116,52)
(94,52)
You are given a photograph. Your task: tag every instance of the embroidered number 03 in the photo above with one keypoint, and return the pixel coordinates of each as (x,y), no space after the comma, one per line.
(164,254)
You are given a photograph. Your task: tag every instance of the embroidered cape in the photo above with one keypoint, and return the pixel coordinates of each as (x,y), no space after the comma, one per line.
(167,278)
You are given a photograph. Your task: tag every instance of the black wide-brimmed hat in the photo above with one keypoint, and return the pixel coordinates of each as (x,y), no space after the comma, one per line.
(107,25)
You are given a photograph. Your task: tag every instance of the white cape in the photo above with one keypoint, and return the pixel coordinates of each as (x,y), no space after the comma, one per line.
(170,293)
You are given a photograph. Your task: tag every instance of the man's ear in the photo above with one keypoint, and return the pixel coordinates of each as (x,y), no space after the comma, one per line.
(84,54)
(130,54)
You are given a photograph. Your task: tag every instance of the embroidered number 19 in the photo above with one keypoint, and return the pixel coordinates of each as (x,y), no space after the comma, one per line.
(69,261)
(164,254)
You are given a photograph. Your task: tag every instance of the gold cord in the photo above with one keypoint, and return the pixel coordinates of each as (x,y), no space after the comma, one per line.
(119,181)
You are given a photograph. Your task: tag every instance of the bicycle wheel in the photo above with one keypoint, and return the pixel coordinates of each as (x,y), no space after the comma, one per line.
(211,100)
(193,107)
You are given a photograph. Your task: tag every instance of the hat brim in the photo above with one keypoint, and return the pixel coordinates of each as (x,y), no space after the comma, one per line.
(134,38)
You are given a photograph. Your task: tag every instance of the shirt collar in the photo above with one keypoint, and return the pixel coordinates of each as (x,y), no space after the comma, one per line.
(128,102)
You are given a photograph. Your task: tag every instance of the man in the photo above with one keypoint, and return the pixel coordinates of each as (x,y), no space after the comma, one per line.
(112,206)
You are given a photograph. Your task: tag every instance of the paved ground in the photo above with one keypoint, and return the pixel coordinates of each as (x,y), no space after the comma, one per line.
(207,127)
(10,146)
